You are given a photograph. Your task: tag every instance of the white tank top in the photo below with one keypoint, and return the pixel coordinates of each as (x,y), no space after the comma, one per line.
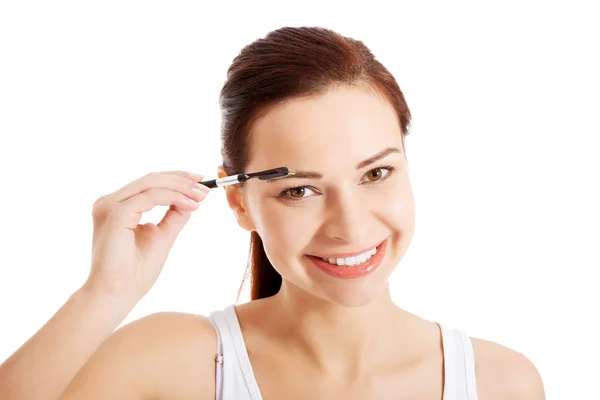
(235,379)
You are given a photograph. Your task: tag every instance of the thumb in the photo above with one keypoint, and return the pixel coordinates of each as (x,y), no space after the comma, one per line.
(174,221)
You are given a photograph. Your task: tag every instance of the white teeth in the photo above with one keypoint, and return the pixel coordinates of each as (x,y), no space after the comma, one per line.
(351,261)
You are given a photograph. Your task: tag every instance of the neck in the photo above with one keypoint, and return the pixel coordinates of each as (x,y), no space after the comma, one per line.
(339,339)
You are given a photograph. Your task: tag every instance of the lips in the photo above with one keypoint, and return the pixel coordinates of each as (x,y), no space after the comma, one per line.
(351,272)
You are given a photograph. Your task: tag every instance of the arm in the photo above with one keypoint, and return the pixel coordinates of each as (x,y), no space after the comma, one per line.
(43,367)
(127,258)
(163,355)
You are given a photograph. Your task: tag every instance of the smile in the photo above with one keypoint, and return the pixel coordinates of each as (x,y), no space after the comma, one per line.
(351,265)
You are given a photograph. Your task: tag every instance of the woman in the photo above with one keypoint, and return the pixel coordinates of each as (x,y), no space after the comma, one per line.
(321,323)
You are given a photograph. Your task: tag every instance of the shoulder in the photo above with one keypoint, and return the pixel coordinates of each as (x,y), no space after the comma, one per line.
(181,348)
(162,355)
(503,373)
(170,334)
(172,329)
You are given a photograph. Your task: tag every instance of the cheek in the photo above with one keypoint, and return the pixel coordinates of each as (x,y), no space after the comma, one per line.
(287,230)
(397,206)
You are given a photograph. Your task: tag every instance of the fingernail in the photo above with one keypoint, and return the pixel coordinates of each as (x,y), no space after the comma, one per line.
(201,189)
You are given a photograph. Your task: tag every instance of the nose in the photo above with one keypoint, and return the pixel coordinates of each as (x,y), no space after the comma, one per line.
(346,219)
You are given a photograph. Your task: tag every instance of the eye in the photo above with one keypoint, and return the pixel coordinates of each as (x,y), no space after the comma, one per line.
(295,193)
(379,173)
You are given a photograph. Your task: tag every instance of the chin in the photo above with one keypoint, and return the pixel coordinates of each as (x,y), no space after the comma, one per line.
(344,293)
(359,295)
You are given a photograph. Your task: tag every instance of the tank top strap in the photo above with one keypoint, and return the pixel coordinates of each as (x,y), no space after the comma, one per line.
(459,365)
(234,376)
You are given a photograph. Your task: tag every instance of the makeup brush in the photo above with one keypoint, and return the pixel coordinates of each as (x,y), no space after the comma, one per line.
(239,178)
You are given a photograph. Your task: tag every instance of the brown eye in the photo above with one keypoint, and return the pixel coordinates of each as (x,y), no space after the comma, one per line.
(374,174)
(297,192)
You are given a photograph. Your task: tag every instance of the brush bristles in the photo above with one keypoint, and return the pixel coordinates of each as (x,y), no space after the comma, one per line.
(290,173)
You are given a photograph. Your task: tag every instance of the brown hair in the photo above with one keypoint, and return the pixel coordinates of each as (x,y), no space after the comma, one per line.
(287,63)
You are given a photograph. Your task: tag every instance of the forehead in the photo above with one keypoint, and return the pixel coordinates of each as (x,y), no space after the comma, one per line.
(332,130)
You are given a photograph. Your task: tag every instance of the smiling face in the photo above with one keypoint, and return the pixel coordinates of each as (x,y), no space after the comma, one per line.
(356,196)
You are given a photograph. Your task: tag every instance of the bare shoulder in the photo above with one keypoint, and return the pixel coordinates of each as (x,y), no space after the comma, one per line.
(161,356)
(503,373)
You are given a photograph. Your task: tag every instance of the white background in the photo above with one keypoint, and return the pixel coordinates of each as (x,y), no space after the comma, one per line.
(503,156)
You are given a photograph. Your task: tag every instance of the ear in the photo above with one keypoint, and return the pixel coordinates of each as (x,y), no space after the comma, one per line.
(235,199)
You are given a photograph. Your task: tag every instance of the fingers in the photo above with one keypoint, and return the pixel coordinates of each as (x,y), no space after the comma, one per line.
(147,200)
(179,189)
(151,198)
(179,181)
(173,222)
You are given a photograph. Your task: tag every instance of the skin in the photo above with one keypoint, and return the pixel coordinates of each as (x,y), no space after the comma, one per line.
(319,337)
(345,336)
(340,329)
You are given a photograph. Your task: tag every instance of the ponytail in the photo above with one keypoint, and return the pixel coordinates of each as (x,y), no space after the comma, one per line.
(265,281)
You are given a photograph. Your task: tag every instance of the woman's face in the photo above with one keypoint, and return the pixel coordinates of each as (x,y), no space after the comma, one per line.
(346,204)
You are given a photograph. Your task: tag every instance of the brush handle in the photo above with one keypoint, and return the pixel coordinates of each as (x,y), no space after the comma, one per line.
(228,180)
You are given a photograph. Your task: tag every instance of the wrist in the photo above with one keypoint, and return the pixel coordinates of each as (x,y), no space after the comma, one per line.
(104,303)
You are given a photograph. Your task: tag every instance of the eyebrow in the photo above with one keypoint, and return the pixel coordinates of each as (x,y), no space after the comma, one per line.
(317,175)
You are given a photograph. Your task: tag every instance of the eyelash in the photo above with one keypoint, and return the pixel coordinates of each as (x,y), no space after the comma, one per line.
(282,194)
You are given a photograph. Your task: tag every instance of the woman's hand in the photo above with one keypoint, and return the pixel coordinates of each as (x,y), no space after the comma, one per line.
(127,258)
